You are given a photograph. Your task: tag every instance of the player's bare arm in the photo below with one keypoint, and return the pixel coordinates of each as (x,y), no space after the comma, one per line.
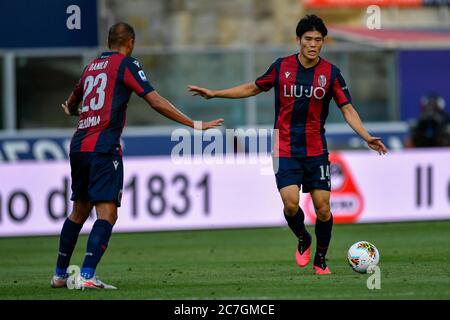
(167,109)
(242,91)
(71,106)
(351,116)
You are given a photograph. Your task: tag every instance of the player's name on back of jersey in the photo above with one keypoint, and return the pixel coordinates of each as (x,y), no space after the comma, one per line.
(98,65)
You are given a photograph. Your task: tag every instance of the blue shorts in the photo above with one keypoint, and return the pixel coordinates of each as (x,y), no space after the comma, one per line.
(96,177)
(309,173)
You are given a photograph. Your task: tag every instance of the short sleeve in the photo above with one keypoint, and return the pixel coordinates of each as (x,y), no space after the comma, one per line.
(341,94)
(135,79)
(267,80)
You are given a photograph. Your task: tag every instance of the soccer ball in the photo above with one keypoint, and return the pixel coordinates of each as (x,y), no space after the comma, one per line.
(363,255)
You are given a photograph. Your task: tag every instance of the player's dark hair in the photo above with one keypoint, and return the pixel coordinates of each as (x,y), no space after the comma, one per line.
(120,33)
(311,22)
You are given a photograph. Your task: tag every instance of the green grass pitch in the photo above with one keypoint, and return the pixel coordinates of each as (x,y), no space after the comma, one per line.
(238,264)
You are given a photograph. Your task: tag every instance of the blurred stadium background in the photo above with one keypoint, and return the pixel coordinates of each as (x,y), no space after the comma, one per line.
(221,44)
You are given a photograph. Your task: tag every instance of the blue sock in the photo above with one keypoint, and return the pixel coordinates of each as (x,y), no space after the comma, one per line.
(296,222)
(96,246)
(323,234)
(67,242)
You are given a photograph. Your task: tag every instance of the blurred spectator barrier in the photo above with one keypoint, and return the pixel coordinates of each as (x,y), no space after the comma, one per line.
(48,145)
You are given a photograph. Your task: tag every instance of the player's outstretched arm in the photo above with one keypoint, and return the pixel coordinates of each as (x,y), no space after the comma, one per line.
(351,116)
(243,91)
(164,107)
(70,106)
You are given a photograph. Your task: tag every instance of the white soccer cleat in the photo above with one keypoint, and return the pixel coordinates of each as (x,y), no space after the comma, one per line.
(58,282)
(94,283)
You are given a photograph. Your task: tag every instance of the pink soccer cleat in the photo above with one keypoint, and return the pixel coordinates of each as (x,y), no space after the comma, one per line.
(320,271)
(302,259)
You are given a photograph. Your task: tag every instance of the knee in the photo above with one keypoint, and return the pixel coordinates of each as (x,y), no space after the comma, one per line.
(107,211)
(290,208)
(78,218)
(323,211)
(112,219)
(80,212)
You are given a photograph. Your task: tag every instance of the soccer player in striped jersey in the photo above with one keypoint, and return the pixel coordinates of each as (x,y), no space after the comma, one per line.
(95,152)
(304,84)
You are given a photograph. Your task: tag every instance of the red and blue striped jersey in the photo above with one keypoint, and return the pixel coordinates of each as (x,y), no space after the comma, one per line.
(104,90)
(302,98)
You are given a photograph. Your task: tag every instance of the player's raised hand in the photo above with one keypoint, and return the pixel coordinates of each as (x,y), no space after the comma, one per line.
(199,91)
(212,124)
(376,144)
